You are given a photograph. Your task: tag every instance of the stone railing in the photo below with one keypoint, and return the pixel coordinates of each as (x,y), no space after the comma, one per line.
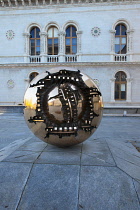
(35,59)
(70,58)
(120,58)
(52,58)
(14,3)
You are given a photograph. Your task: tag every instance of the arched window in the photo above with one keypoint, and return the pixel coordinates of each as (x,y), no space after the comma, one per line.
(53,41)
(120,39)
(71,40)
(120,86)
(32,76)
(35,41)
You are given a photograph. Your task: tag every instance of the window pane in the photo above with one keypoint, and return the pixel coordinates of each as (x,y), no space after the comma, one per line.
(67,41)
(117,49)
(55,32)
(116,91)
(74,41)
(73,31)
(50,34)
(117,40)
(123,95)
(38,42)
(123,49)
(117,30)
(67,49)
(32,76)
(74,49)
(117,76)
(32,33)
(55,41)
(32,51)
(123,30)
(123,77)
(49,41)
(123,40)
(37,33)
(122,87)
(68,32)
(55,50)
(32,41)
(37,50)
(49,50)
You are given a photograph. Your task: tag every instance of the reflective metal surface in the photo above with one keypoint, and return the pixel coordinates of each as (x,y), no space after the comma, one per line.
(63,107)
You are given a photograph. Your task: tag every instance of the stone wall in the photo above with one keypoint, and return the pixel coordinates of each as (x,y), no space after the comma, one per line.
(92,47)
(15,80)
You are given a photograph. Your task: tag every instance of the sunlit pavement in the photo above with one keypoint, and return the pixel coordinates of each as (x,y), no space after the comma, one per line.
(103,173)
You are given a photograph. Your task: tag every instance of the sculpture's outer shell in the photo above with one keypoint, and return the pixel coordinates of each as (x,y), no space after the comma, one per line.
(63,107)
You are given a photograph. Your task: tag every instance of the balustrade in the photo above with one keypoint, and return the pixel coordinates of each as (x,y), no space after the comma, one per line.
(120,58)
(52,58)
(70,58)
(35,59)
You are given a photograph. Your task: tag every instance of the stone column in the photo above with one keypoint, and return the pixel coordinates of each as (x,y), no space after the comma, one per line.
(79,45)
(129,89)
(43,46)
(112,90)
(112,44)
(130,44)
(61,36)
(26,47)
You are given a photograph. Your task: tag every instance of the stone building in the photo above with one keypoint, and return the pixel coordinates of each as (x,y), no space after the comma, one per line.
(98,37)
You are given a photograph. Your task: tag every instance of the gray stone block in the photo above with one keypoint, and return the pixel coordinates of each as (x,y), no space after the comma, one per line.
(128,167)
(123,146)
(33,146)
(51,187)
(13,178)
(106,188)
(126,157)
(96,153)
(64,157)
(22,156)
(137,187)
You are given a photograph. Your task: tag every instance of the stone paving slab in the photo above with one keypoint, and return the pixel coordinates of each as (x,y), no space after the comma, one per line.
(137,187)
(6,151)
(51,187)
(126,157)
(33,146)
(110,189)
(96,153)
(72,158)
(103,173)
(13,177)
(22,157)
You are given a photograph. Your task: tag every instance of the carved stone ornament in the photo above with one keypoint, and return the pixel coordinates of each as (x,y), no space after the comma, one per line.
(10,34)
(95,31)
(10,83)
(63,107)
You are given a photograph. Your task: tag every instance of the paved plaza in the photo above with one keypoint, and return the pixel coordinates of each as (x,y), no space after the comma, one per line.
(103,173)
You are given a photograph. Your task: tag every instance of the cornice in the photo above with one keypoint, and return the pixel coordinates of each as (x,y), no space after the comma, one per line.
(34,4)
(71,64)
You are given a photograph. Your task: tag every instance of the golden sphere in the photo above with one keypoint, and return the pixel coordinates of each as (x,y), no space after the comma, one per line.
(63,107)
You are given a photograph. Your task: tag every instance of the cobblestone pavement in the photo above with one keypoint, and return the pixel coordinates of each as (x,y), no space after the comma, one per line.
(103,173)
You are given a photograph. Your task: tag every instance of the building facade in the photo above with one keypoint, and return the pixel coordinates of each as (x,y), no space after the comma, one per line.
(98,37)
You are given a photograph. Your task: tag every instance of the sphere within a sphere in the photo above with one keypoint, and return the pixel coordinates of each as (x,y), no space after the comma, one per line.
(63,107)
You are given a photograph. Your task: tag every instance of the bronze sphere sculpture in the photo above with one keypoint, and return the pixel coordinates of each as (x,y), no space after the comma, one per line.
(63,107)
